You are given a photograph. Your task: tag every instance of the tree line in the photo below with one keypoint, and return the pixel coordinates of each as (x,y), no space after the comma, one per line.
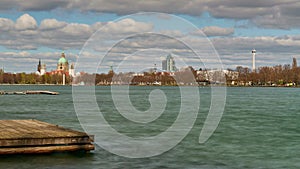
(279,75)
(32,78)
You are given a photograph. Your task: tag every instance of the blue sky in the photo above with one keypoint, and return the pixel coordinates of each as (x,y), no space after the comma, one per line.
(43,29)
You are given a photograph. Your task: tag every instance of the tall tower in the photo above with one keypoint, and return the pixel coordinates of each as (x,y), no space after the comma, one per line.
(63,64)
(294,65)
(39,66)
(72,70)
(253,60)
(43,69)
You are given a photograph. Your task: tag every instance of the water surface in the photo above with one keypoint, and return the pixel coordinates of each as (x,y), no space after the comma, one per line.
(260,129)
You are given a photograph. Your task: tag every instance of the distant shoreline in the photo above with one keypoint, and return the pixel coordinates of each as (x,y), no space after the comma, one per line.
(33,85)
(148,85)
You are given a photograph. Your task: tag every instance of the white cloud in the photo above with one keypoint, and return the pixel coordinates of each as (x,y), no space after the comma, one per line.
(26,22)
(6,24)
(129,6)
(97,26)
(127,26)
(270,50)
(217,31)
(267,13)
(25,34)
(233,51)
(51,24)
(77,31)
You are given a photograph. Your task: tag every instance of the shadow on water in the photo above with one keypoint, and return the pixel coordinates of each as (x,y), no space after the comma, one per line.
(53,160)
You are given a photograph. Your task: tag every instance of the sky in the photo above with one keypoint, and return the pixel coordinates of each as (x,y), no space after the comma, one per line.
(97,34)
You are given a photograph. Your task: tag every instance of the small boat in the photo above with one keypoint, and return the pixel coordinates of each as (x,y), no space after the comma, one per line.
(157,83)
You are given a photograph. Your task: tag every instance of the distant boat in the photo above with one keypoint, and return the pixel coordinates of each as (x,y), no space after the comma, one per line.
(157,83)
(79,84)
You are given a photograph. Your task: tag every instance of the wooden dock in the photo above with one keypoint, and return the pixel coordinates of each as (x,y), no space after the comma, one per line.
(28,92)
(33,137)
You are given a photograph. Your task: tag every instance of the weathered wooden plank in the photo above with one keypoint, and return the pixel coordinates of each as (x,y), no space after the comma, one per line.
(32,134)
(44,141)
(41,92)
(46,149)
(28,92)
(34,129)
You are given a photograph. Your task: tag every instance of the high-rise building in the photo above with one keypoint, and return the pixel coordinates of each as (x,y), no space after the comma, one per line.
(169,64)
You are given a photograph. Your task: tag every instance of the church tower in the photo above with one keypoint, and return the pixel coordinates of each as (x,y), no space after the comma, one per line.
(39,66)
(63,64)
(43,69)
(72,70)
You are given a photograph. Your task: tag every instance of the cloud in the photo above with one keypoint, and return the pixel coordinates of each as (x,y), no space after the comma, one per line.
(33,5)
(270,50)
(214,31)
(26,34)
(6,24)
(25,22)
(26,61)
(241,9)
(129,6)
(277,20)
(284,44)
(76,30)
(267,13)
(51,24)
(233,51)
(128,26)
(38,5)
(119,6)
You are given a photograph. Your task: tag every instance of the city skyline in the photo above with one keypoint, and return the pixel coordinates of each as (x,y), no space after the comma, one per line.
(38,30)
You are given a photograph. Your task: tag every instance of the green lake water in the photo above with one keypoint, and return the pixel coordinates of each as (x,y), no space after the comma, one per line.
(260,128)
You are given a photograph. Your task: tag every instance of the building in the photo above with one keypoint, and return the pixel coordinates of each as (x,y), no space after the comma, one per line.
(217,76)
(169,64)
(72,70)
(63,64)
(41,68)
(62,67)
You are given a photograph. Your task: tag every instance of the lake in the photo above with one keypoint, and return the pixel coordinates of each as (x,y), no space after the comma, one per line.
(259,128)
